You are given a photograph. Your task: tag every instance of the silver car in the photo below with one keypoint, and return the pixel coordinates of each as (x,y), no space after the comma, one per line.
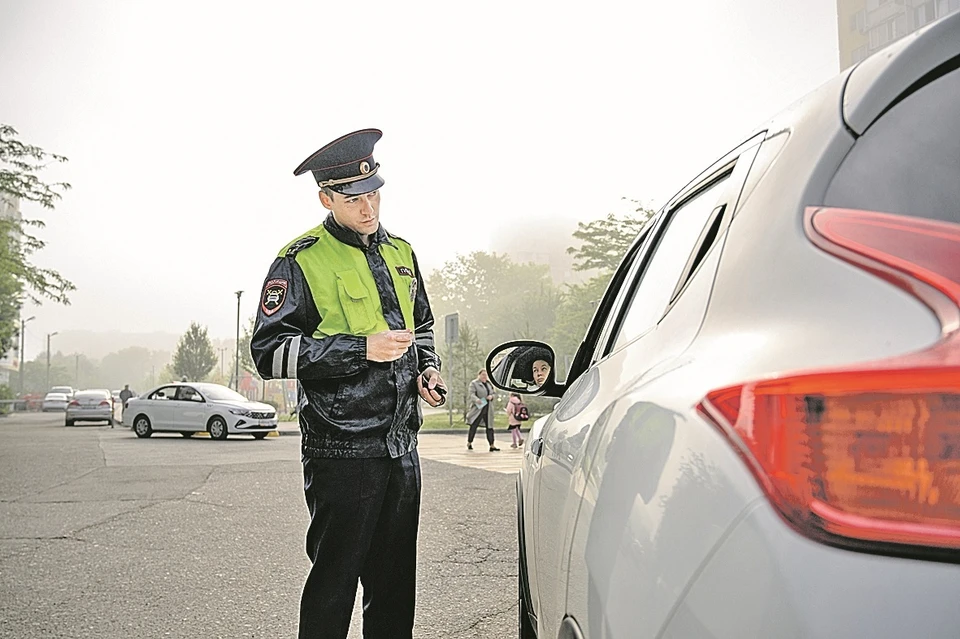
(90,406)
(759,435)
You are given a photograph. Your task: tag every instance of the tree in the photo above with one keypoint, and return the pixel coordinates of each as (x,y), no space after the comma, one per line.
(462,360)
(194,358)
(604,242)
(500,299)
(578,303)
(19,165)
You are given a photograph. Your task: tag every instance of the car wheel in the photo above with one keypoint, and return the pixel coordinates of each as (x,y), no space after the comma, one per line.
(259,435)
(141,426)
(188,434)
(217,428)
(69,422)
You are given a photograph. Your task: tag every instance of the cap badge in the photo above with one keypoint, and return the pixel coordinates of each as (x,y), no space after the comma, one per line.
(364,167)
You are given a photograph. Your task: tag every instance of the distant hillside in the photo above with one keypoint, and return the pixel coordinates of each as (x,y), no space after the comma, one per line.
(95,345)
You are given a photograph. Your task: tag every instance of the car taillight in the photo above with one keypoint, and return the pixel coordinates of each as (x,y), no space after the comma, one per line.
(74,403)
(868,453)
(105,403)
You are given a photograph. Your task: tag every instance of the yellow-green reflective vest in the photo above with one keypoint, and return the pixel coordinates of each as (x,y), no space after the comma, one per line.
(343,287)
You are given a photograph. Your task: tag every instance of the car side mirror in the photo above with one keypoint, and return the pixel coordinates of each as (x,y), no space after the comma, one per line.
(523,366)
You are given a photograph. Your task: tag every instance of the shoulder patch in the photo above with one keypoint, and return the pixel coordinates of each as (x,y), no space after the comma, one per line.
(299,245)
(274,295)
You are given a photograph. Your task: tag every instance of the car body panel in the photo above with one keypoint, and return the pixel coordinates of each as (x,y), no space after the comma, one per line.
(629,500)
(882,79)
(788,586)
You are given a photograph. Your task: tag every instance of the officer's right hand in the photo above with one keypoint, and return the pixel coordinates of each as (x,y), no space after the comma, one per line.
(388,345)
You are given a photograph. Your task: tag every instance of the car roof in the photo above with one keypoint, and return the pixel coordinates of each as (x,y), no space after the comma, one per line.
(887,77)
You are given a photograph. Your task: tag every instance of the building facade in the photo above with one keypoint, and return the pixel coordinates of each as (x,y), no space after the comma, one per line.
(866,26)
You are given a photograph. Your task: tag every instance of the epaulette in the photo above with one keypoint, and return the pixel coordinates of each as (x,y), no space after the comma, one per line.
(397,237)
(299,245)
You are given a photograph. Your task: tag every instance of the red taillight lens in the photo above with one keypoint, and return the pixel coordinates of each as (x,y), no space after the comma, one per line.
(104,403)
(74,403)
(869,453)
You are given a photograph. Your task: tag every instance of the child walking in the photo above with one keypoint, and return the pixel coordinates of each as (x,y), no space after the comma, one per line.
(513,419)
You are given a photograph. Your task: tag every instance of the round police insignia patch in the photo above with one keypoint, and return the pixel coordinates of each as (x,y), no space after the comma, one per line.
(274,295)
(364,167)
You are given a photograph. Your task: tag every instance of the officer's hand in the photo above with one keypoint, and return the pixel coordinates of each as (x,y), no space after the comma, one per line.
(388,345)
(428,392)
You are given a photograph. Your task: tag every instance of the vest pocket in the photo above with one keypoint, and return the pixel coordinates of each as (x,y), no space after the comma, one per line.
(358,308)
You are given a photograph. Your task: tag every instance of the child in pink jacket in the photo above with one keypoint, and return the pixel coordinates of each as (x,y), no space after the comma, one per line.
(513,424)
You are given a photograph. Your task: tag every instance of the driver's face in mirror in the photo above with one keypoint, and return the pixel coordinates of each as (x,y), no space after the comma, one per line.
(541,372)
(526,367)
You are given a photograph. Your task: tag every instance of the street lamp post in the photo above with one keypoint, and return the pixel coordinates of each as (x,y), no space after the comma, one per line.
(236,371)
(23,323)
(49,335)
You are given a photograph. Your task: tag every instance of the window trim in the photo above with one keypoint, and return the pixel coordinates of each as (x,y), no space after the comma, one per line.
(598,341)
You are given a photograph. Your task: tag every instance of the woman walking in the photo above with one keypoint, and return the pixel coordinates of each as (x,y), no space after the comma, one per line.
(481,395)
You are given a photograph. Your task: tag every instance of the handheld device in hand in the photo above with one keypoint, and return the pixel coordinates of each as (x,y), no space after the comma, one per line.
(439,390)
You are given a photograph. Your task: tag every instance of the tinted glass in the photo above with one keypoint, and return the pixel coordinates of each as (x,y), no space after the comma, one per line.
(92,395)
(167,392)
(661,275)
(908,162)
(220,393)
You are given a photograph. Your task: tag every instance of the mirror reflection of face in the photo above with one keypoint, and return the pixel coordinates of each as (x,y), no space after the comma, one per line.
(541,371)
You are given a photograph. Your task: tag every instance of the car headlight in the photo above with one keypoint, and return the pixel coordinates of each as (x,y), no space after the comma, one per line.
(240,411)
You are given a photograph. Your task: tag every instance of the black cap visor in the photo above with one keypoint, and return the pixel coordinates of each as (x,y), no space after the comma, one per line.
(360,187)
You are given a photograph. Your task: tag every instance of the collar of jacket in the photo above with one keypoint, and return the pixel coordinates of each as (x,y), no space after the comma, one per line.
(352,238)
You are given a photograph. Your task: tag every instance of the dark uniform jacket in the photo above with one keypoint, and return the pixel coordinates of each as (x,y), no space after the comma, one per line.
(349,406)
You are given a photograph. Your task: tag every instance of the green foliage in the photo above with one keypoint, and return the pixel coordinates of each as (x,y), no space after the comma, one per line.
(246,356)
(604,242)
(19,165)
(577,306)
(194,357)
(500,299)
(461,361)
(35,375)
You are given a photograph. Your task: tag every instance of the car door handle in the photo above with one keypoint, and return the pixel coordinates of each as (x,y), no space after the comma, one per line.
(536,447)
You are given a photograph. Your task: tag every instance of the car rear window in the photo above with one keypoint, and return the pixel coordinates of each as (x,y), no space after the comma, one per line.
(908,161)
(92,395)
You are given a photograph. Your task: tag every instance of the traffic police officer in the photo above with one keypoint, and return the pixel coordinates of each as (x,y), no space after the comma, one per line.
(344,311)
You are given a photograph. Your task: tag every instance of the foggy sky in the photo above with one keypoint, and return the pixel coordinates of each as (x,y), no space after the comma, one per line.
(183,122)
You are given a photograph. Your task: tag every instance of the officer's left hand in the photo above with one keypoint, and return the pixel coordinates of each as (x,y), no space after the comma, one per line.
(427,392)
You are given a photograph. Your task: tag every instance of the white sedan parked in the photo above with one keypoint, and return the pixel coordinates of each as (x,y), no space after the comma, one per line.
(191,408)
(54,402)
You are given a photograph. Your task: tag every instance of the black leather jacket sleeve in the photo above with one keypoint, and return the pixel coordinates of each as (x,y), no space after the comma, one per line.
(283,345)
(423,322)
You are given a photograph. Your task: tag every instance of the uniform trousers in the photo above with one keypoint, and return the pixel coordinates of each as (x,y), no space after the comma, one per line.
(364,517)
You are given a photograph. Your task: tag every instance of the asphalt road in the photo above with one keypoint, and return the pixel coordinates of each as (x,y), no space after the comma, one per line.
(105,535)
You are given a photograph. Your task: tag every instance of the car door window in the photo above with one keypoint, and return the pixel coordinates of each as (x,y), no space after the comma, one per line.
(165,393)
(685,225)
(188,394)
(630,267)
